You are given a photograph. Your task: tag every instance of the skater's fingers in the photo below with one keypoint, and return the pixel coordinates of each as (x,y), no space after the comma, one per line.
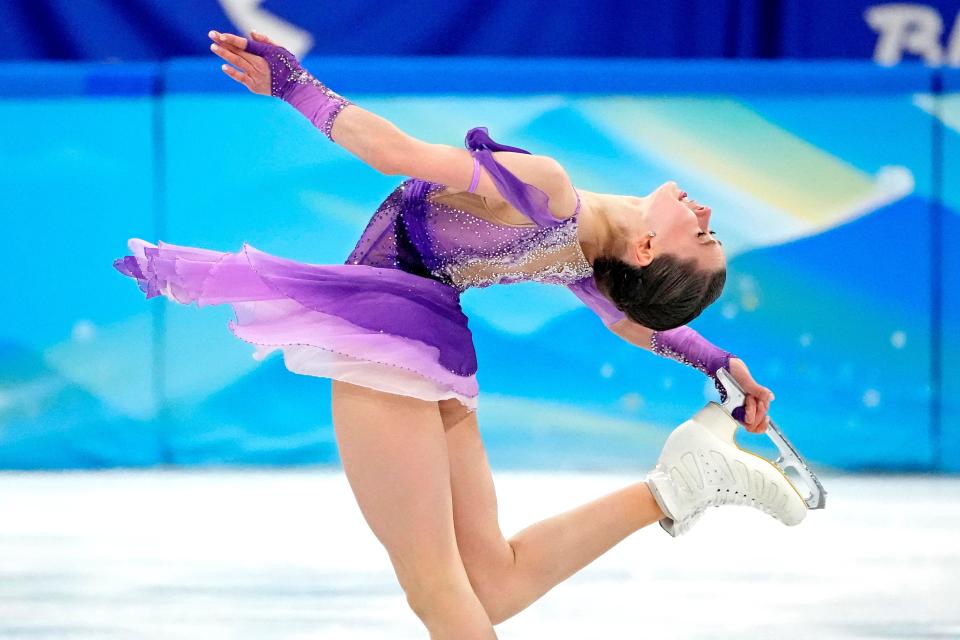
(256,35)
(230,47)
(750,411)
(758,421)
(233,58)
(239,76)
(252,58)
(760,426)
(229,38)
(763,408)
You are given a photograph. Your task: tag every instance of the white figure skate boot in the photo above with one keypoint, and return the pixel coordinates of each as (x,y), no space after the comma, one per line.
(702,466)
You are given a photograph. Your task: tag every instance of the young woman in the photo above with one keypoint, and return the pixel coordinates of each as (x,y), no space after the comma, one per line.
(388,328)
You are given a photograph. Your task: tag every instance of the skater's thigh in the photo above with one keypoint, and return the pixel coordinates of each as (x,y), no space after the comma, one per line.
(479,537)
(394,454)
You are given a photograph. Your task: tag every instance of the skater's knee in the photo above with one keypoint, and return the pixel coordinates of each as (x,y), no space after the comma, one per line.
(434,597)
(422,599)
(499,597)
(494,581)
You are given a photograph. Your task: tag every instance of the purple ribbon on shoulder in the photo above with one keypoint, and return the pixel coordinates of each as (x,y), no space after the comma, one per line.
(529,200)
(479,138)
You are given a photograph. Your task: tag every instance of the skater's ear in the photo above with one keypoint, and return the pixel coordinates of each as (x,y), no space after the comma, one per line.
(643,251)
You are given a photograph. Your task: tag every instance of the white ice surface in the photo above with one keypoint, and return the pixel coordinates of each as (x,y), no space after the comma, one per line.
(286,554)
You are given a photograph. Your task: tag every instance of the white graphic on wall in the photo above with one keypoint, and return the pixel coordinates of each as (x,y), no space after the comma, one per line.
(915,29)
(247,15)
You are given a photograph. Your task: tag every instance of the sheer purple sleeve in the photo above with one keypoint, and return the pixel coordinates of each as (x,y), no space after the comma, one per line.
(295,85)
(586,290)
(685,345)
(682,344)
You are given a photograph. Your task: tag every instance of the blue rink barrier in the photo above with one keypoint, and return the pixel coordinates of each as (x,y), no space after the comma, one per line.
(812,171)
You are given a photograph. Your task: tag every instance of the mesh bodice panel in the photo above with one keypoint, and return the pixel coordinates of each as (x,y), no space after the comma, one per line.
(424,228)
(429,230)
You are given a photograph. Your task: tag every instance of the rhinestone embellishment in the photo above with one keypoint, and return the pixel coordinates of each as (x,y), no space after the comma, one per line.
(469,251)
(285,71)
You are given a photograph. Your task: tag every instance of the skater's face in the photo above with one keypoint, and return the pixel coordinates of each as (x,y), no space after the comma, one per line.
(680,226)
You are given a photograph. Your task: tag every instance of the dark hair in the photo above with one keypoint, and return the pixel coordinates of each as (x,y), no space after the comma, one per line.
(665,294)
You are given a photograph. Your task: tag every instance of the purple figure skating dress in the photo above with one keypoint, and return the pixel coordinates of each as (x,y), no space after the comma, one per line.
(390,317)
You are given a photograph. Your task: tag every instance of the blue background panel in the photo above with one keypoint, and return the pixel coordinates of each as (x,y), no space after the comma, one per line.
(76,351)
(806,186)
(948,126)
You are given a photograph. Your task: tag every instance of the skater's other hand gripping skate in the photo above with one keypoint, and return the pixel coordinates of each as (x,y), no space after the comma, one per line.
(757,403)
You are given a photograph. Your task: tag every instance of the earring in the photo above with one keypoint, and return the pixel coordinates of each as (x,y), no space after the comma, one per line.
(652,234)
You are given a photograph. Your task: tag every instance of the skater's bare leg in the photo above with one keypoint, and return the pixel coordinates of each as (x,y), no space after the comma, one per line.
(394,454)
(508,575)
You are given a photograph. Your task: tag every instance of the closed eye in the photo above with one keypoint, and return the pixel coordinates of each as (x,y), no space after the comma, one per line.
(712,233)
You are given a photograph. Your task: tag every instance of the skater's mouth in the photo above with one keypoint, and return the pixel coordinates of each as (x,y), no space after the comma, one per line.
(696,206)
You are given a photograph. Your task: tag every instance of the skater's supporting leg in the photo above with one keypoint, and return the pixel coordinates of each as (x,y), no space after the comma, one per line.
(394,454)
(508,575)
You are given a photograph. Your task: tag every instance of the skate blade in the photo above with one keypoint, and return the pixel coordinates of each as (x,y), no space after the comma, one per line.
(816,497)
(790,458)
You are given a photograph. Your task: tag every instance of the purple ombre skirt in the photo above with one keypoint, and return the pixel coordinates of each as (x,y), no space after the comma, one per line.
(382,328)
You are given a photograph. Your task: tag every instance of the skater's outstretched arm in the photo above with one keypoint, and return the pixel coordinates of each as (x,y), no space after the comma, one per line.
(686,345)
(268,69)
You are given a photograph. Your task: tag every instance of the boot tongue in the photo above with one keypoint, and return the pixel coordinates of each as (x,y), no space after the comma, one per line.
(717,421)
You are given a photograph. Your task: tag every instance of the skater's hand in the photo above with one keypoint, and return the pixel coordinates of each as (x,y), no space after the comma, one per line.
(249,69)
(757,404)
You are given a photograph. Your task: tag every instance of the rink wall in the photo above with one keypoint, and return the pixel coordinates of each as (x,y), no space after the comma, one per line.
(835,189)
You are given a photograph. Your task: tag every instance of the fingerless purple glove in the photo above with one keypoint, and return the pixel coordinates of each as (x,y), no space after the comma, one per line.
(685,345)
(293,84)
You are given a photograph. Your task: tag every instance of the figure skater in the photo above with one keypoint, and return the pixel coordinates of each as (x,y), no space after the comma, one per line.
(388,328)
